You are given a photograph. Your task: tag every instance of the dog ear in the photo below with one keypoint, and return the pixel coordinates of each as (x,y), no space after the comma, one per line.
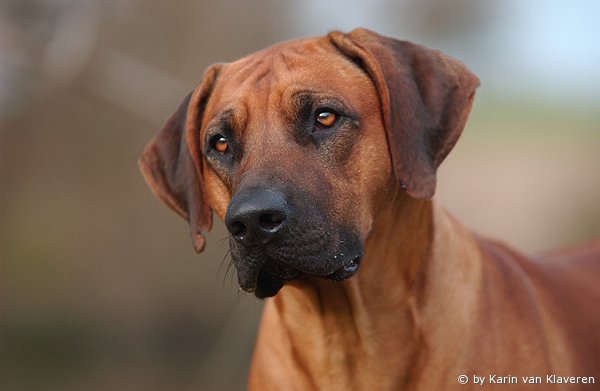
(425,97)
(172,166)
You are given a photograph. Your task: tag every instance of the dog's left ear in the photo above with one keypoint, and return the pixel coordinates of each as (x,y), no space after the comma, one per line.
(425,96)
(172,165)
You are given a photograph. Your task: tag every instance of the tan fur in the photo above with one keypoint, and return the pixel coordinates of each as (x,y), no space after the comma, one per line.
(431,300)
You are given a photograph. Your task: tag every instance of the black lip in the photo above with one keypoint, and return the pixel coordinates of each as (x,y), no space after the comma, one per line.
(271,278)
(266,277)
(346,271)
(248,272)
(267,285)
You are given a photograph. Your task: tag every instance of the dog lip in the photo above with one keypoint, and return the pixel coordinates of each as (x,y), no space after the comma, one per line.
(267,285)
(266,279)
(347,270)
(248,283)
(249,273)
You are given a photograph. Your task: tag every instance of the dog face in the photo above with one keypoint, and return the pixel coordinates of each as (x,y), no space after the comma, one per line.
(296,146)
(294,151)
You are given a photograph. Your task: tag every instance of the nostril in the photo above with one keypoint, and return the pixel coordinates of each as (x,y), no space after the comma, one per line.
(271,222)
(237,228)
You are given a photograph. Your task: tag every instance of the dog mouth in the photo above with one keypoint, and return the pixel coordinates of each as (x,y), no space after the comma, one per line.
(267,280)
(305,243)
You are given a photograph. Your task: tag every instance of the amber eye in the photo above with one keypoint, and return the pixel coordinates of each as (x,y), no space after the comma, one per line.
(220,144)
(325,119)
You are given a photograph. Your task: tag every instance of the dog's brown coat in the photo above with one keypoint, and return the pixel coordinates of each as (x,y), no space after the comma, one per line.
(431,301)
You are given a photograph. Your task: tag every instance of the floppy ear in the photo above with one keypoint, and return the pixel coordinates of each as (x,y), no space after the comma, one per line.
(425,97)
(172,166)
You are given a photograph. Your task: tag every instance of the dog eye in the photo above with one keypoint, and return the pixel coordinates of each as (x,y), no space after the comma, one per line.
(325,119)
(219,144)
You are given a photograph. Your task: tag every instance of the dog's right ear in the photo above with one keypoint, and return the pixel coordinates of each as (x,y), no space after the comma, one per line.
(172,166)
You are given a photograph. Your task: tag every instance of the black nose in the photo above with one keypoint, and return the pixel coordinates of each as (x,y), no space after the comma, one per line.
(256,217)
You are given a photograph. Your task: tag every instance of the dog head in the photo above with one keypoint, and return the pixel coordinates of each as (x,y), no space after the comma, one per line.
(296,146)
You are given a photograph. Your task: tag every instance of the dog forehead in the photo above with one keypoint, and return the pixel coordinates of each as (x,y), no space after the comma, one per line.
(312,64)
(281,59)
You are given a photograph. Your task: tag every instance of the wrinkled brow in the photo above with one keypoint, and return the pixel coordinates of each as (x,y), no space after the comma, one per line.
(228,122)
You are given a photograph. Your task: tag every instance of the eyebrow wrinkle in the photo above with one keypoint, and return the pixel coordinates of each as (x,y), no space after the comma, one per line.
(223,123)
(286,61)
(225,120)
(263,76)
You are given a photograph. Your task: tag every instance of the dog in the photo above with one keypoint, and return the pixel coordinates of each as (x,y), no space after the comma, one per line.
(320,156)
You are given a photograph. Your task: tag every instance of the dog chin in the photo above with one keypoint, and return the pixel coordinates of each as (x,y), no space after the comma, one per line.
(267,280)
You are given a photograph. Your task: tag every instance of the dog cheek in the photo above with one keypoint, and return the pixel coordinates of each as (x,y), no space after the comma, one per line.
(375,182)
(351,201)
(218,194)
(344,206)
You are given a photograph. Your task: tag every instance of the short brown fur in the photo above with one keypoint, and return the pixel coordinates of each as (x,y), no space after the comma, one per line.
(430,301)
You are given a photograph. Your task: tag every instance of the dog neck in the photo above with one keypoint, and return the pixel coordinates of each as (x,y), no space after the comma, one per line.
(344,328)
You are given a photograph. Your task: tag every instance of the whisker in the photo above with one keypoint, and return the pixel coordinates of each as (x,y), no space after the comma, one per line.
(227,254)
(228,267)
(227,272)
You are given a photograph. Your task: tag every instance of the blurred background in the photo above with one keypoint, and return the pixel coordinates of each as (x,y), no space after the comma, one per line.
(99,286)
